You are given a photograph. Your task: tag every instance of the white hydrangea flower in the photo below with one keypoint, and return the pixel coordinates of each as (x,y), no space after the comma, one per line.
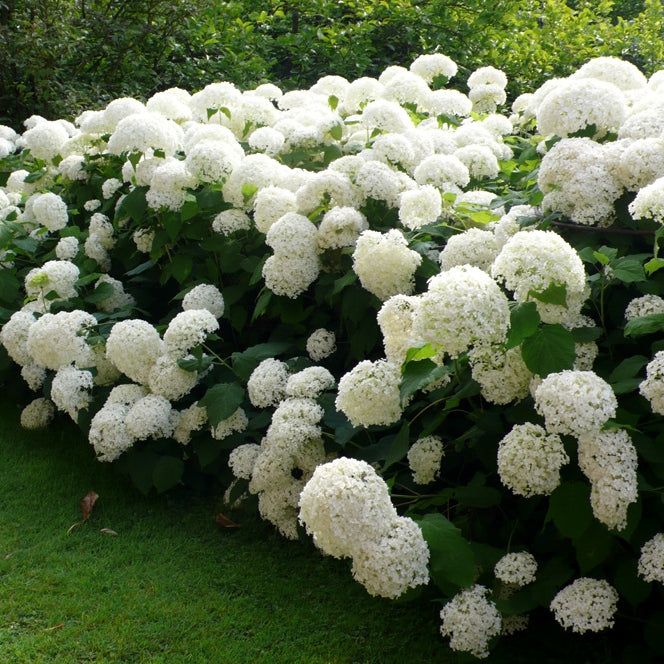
(448,102)
(56,340)
(344,504)
(395,319)
(270,204)
(487,76)
(108,433)
(71,168)
(267,140)
(145,131)
(608,459)
(516,569)
(118,299)
(150,417)
(340,227)
(480,161)
(236,423)
(321,343)
(134,346)
(45,139)
(169,184)
(258,170)
(461,307)
(267,384)
(49,210)
(649,202)
(395,563)
(369,394)
(535,260)
(529,460)
(418,207)
(70,390)
(444,171)
(66,248)
(172,104)
(384,263)
(205,296)
(487,97)
(57,276)
(386,115)
(143,238)
(575,402)
(645,305)
(187,330)
(503,375)
(191,419)
(110,187)
(38,414)
(167,379)
(432,65)
(424,458)
(360,92)
(211,161)
(621,73)
(34,375)
(14,336)
(641,163)
(578,103)
(310,382)
(586,605)
(651,560)
(652,388)
(471,620)
(474,246)
(231,221)
(242,460)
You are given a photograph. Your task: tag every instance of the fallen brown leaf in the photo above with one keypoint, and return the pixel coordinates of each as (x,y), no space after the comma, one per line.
(108,531)
(225,521)
(87,503)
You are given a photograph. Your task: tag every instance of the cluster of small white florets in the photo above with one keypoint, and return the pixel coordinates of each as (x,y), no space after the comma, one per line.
(651,560)
(529,460)
(472,247)
(424,457)
(645,305)
(395,319)
(503,375)
(310,383)
(649,202)
(575,402)
(118,299)
(462,306)
(236,423)
(347,509)
(652,388)
(516,569)
(532,261)
(133,346)
(321,343)
(384,263)
(49,210)
(267,383)
(59,277)
(37,414)
(369,394)
(487,89)
(586,605)
(608,459)
(470,619)
(187,330)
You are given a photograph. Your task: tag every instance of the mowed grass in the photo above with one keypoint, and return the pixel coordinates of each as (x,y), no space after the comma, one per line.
(173,586)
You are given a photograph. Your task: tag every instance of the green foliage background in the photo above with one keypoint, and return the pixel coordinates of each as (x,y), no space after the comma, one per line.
(67,55)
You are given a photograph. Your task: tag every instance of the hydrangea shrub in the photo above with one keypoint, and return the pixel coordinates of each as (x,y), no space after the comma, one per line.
(418,327)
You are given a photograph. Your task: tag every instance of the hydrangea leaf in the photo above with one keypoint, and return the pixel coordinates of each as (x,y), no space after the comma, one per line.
(221,401)
(569,507)
(452,559)
(167,473)
(245,362)
(549,350)
(417,375)
(638,327)
(628,270)
(399,447)
(133,204)
(524,321)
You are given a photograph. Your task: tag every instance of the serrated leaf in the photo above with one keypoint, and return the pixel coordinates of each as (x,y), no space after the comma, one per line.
(339,284)
(552,294)
(399,447)
(628,270)
(199,364)
(420,353)
(417,375)
(549,350)
(524,321)
(653,265)
(133,204)
(167,473)
(644,325)
(569,508)
(103,291)
(221,401)
(452,560)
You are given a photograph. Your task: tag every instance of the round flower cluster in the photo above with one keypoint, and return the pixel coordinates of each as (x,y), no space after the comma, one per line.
(192,418)
(433,65)
(37,414)
(347,509)
(395,319)
(230,221)
(237,422)
(14,336)
(384,263)
(242,460)
(169,380)
(645,305)
(187,330)
(267,383)
(70,390)
(59,277)
(421,206)
(586,605)
(205,296)
(516,569)
(529,460)
(340,227)
(118,298)
(369,394)
(575,402)
(133,346)
(67,248)
(641,163)
(309,383)
(321,343)
(270,204)
(424,458)
(49,210)
(649,202)
(652,388)
(532,261)
(143,131)
(150,417)
(471,620)
(487,89)
(608,459)
(503,375)
(461,307)
(651,560)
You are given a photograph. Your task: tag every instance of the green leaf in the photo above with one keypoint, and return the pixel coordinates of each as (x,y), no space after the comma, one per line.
(333,102)
(638,327)
(35,176)
(181,267)
(199,364)
(261,303)
(133,204)
(419,374)
(399,447)
(552,294)
(248,190)
(593,547)
(336,132)
(103,291)
(207,450)
(10,287)
(653,265)
(221,401)
(628,270)
(141,465)
(628,368)
(569,507)
(189,210)
(167,473)
(172,224)
(586,334)
(549,350)
(245,362)
(478,496)
(524,321)
(452,559)
(339,284)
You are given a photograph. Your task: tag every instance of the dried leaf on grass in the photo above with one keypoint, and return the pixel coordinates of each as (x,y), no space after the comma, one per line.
(225,521)
(87,503)
(108,531)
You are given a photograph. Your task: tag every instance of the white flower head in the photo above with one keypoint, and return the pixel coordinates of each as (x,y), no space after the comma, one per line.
(651,560)
(518,569)
(586,605)
(205,296)
(424,458)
